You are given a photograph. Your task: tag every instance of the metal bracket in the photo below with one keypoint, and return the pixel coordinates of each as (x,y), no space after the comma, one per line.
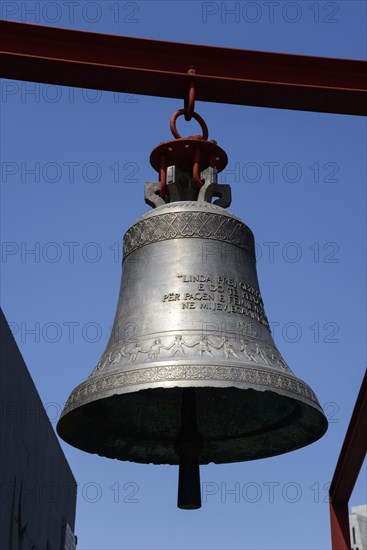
(212,189)
(181,187)
(151,194)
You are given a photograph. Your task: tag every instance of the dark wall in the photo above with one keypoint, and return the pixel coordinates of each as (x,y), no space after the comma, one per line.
(38,490)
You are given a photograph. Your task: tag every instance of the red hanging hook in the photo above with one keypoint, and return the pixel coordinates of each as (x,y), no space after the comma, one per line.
(189,102)
(197,117)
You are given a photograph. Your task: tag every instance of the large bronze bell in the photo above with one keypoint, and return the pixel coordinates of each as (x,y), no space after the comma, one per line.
(191,373)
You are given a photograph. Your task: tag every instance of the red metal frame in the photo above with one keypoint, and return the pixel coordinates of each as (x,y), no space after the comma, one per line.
(153,67)
(243,77)
(350,461)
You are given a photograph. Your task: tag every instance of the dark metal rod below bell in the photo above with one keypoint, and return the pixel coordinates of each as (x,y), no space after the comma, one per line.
(189,493)
(188,446)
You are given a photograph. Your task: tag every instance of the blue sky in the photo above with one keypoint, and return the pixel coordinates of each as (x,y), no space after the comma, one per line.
(74,164)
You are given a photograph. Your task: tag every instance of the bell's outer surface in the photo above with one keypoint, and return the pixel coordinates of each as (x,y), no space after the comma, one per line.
(190,314)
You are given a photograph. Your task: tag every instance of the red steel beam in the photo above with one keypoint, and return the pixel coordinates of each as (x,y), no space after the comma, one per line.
(153,67)
(350,461)
(339,522)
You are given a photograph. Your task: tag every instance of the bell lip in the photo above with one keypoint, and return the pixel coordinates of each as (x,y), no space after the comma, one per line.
(307,408)
(108,384)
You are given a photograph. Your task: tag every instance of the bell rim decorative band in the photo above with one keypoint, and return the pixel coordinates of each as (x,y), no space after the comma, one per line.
(288,385)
